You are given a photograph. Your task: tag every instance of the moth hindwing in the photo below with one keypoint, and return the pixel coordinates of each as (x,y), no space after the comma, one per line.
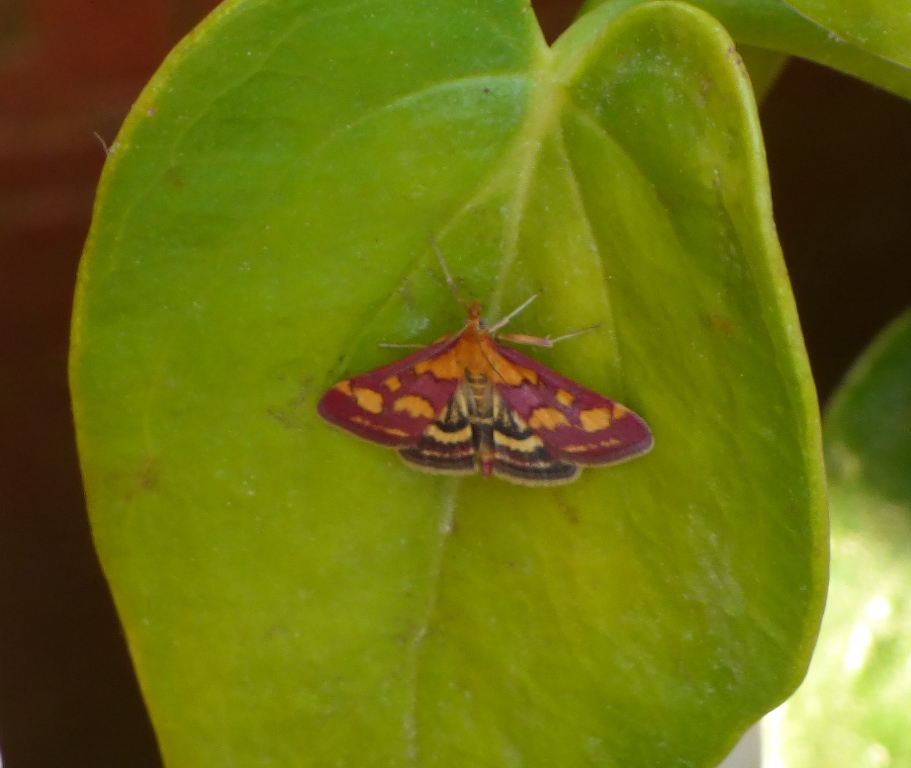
(468,403)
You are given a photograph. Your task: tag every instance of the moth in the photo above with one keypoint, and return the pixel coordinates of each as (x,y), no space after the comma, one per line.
(468,403)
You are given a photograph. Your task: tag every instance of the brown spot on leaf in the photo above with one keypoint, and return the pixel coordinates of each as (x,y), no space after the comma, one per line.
(569,511)
(146,478)
(294,414)
(720,323)
(174,177)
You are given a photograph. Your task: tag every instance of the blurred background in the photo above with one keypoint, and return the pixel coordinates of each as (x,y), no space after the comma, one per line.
(840,161)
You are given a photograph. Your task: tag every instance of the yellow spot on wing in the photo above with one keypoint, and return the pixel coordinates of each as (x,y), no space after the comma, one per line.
(344,387)
(523,445)
(595,419)
(392,383)
(620,411)
(580,448)
(446,365)
(370,401)
(379,427)
(475,352)
(415,406)
(448,438)
(509,373)
(565,398)
(547,418)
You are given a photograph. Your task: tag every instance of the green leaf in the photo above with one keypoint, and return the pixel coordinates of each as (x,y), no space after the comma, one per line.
(852,710)
(881,28)
(294,596)
(870,39)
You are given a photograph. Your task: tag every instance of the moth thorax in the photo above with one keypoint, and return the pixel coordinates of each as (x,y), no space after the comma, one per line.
(481,394)
(476,379)
(478,383)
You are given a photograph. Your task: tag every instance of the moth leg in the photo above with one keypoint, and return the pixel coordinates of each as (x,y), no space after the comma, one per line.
(543,341)
(500,323)
(573,334)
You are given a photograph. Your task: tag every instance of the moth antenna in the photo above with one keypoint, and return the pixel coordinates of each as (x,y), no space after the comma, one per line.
(388,345)
(500,323)
(449,281)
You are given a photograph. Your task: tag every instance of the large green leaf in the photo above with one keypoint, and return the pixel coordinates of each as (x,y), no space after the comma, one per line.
(869,39)
(852,710)
(293,596)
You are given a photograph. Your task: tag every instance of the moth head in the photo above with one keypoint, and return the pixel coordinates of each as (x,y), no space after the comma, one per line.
(474,314)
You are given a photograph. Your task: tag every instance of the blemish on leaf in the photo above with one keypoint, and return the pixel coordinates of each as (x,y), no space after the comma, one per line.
(293,415)
(276,630)
(705,85)
(570,511)
(174,177)
(145,479)
(148,474)
(720,323)
(406,294)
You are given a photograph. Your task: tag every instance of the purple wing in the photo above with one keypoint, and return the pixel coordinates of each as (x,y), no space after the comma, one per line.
(574,423)
(391,405)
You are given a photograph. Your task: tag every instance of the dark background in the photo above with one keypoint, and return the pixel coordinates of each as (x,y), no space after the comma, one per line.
(840,161)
